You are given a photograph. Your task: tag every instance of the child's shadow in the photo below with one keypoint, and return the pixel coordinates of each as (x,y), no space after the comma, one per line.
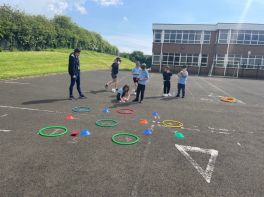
(98,91)
(118,104)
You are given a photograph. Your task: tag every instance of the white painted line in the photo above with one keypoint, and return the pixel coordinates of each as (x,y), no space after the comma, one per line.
(55,131)
(4,115)
(73,141)
(206,174)
(221,90)
(15,82)
(206,99)
(29,109)
(5,130)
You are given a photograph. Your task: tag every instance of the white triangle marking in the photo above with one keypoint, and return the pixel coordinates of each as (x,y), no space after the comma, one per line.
(206,174)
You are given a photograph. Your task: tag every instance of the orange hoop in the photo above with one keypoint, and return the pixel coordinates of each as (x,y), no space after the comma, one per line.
(228,99)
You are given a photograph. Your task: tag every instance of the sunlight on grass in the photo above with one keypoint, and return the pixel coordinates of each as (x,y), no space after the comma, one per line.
(21,64)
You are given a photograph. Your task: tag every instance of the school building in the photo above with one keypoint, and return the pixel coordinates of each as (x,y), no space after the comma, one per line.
(223,49)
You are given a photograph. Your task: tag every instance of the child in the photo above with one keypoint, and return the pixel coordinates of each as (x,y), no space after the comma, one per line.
(142,80)
(123,94)
(166,77)
(114,72)
(182,78)
(135,73)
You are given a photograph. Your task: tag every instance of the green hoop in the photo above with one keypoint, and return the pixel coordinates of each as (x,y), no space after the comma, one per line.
(101,124)
(81,109)
(41,131)
(137,138)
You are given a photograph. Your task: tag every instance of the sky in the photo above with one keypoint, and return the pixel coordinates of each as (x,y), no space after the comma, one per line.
(127,24)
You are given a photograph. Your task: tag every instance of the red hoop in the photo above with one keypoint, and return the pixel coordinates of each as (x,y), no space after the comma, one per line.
(125,111)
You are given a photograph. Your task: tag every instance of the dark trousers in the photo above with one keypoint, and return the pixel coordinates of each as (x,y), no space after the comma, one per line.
(140,89)
(78,83)
(181,87)
(166,87)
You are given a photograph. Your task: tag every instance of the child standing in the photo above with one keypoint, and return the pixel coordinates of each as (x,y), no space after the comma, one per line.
(142,80)
(182,78)
(114,72)
(166,80)
(135,73)
(123,94)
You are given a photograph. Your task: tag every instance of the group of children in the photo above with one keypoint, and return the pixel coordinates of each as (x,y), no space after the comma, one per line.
(140,77)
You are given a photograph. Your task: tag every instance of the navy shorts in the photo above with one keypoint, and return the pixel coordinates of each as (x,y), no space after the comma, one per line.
(114,76)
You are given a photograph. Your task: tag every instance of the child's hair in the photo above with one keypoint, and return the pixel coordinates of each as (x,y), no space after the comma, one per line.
(166,68)
(143,66)
(126,86)
(183,67)
(118,59)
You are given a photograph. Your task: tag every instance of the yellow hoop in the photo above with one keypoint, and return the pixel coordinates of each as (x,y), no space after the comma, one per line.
(172,124)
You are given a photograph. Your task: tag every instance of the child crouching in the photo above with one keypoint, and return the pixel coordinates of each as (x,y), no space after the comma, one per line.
(123,94)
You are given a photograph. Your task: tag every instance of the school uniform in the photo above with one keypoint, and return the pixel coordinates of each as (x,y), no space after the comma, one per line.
(181,83)
(135,73)
(74,72)
(115,70)
(120,94)
(141,85)
(166,82)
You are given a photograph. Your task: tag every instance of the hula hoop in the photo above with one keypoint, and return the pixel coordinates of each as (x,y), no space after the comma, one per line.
(125,134)
(125,111)
(81,109)
(172,124)
(41,131)
(228,99)
(100,124)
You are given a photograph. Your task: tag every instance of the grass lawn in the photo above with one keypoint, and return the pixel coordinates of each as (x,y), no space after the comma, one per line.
(21,64)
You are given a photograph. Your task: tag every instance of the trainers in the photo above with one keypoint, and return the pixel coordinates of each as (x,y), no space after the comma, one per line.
(165,95)
(106,86)
(169,94)
(134,93)
(114,90)
(71,98)
(135,100)
(177,95)
(82,96)
(182,96)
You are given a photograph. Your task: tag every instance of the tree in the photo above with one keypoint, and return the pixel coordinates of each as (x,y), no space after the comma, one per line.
(26,32)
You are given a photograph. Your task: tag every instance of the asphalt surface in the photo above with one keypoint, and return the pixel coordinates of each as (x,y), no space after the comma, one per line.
(32,165)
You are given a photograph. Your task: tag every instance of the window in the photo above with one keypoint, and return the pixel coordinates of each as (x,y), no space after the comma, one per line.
(188,59)
(207,37)
(170,59)
(219,61)
(253,62)
(254,39)
(261,39)
(157,35)
(156,59)
(222,36)
(177,60)
(167,37)
(165,59)
(204,60)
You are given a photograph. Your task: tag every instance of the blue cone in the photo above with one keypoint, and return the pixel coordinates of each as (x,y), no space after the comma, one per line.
(147,132)
(155,114)
(106,110)
(85,133)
